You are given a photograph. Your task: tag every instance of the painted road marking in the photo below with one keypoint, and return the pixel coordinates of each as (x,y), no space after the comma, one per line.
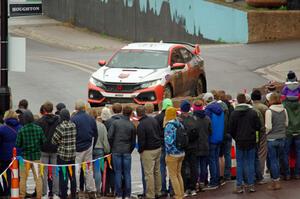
(83,67)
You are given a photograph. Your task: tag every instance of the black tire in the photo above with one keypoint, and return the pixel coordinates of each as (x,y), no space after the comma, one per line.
(199,88)
(94,105)
(168,93)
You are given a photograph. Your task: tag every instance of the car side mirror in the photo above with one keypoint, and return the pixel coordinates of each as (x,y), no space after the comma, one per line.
(197,50)
(176,66)
(102,62)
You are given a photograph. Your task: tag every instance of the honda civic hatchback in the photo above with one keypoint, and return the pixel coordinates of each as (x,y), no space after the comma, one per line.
(148,72)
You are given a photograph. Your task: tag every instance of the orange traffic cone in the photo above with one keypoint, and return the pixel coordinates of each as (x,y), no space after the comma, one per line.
(233,162)
(15,176)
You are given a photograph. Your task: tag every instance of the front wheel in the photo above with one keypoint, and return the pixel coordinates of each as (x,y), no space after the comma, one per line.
(199,87)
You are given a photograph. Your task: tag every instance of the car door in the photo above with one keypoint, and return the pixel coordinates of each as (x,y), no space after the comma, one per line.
(178,74)
(192,70)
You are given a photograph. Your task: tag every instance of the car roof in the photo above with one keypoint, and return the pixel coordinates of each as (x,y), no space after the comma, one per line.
(149,46)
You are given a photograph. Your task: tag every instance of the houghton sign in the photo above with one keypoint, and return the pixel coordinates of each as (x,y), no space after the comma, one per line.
(25,9)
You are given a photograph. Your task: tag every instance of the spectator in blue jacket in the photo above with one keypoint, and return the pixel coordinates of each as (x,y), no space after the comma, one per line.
(8,136)
(87,135)
(215,112)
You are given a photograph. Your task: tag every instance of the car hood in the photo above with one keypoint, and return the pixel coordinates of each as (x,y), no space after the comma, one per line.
(118,75)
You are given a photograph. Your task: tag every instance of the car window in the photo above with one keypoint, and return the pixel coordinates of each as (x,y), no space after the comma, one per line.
(187,55)
(176,57)
(144,59)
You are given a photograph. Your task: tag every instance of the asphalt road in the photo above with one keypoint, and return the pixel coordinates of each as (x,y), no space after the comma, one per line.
(61,75)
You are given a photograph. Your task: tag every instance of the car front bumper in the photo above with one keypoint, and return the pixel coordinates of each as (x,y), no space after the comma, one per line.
(99,96)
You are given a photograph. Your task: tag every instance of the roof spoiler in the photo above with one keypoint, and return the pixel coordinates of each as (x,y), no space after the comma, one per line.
(195,46)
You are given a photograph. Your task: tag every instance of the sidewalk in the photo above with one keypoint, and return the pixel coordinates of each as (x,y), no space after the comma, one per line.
(52,32)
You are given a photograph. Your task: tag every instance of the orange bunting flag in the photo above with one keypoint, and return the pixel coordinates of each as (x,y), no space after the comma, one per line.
(70,170)
(27,167)
(5,176)
(109,161)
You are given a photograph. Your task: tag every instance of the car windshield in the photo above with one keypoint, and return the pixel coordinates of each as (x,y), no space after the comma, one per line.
(144,59)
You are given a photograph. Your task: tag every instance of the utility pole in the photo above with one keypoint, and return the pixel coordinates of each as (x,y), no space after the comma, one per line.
(5,95)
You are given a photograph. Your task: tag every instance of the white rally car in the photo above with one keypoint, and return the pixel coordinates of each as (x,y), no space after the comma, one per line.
(148,72)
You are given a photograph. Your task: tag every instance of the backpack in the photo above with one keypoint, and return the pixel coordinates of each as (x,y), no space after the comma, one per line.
(182,139)
(190,124)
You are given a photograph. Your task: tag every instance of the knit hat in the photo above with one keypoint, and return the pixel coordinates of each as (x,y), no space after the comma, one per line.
(166,103)
(291,76)
(197,107)
(185,106)
(256,95)
(60,106)
(208,97)
(105,114)
(170,115)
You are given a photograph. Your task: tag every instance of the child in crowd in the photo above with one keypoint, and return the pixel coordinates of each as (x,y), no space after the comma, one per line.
(291,89)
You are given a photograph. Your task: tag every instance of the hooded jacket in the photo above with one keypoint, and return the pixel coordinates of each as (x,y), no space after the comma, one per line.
(276,122)
(291,90)
(293,111)
(243,125)
(204,128)
(148,134)
(216,113)
(170,138)
(108,122)
(122,135)
(8,137)
(48,123)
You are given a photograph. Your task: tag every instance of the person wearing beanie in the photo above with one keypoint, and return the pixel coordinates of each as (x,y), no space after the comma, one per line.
(174,156)
(190,162)
(59,107)
(208,97)
(163,171)
(204,126)
(291,89)
(262,142)
(65,139)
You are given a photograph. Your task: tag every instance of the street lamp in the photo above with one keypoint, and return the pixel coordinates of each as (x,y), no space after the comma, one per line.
(4,89)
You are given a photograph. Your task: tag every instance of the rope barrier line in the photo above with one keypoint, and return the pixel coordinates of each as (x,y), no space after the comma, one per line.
(7,167)
(63,165)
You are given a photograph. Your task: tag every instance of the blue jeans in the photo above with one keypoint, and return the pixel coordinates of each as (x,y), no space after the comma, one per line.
(213,162)
(122,168)
(97,153)
(163,172)
(227,157)
(258,172)
(275,148)
(202,169)
(245,166)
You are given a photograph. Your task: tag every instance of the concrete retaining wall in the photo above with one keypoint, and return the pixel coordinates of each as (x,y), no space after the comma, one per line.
(273,25)
(154,20)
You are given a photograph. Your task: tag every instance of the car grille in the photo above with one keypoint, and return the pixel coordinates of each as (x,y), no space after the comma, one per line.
(119,100)
(121,87)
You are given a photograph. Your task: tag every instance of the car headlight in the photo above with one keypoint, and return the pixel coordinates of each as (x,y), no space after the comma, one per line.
(96,82)
(151,83)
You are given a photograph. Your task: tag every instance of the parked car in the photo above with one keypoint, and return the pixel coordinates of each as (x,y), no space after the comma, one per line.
(148,72)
